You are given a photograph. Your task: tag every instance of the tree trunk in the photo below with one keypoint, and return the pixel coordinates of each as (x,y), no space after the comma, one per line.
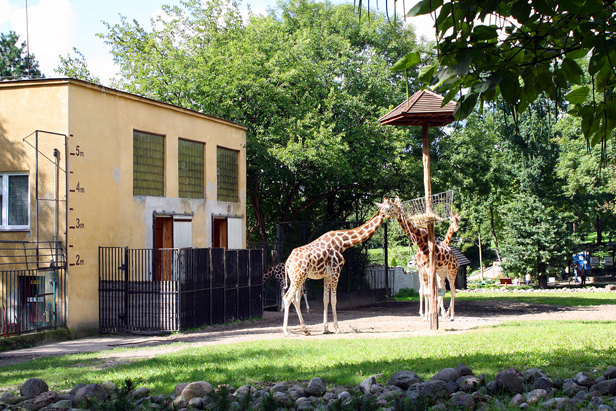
(494,233)
(256,205)
(599,230)
(480,257)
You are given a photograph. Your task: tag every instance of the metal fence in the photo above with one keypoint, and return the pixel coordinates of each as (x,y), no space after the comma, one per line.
(32,286)
(148,290)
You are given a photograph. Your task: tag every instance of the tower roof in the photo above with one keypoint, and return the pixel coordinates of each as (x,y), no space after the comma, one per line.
(425,106)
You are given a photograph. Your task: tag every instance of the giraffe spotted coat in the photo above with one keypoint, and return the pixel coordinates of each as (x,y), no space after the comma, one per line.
(278,273)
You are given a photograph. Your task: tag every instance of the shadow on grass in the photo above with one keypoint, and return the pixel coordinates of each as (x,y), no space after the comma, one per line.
(560,348)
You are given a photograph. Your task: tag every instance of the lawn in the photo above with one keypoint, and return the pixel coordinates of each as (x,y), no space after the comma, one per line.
(560,348)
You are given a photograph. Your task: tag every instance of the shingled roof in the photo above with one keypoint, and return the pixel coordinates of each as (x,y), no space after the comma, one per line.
(422,107)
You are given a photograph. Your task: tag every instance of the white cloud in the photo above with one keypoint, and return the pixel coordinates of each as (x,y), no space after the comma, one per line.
(51,25)
(5,11)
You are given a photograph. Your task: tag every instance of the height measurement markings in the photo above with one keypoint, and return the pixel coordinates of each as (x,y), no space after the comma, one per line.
(78,189)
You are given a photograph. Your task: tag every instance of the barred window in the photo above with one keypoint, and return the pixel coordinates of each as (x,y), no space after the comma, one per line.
(14,201)
(148,164)
(227,175)
(191,169)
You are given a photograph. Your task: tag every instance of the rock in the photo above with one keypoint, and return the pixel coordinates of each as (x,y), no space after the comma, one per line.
(197,389)
(431,389)
(511,380)
(517,400)
(532,374)
(404,379)
(607,387)
(91,391)
(109,387)
(44,399)
(63,405)
(463,370)
(462,400)
(280,387)
(366,385)
(495,388)
(610,373)
(244,391)
(469,383)
(177,391)
(76,388)
(283,399)
(543,383)
(33,387)
(570,387)
(446,374)
(565,404)
(316,387)
(536,396)
(139,393)
(584,379)
(196,403)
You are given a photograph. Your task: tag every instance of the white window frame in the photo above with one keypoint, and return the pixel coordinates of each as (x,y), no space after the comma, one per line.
(4,206)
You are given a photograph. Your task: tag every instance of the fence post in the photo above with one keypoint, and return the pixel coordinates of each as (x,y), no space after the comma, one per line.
(126,283)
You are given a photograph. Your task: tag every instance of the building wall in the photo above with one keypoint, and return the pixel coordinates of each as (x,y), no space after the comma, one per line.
(102,210)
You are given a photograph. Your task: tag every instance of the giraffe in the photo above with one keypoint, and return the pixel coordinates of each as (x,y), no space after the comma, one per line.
(446,262)
(322,259)
(277,271)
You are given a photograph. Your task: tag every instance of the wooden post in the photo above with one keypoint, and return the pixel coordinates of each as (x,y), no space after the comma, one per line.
(432,287)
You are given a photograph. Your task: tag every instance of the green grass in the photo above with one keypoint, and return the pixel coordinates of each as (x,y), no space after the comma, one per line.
(560,348)
(564,299)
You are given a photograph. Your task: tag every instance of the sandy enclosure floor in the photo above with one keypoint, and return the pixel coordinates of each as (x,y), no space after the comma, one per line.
(384,320)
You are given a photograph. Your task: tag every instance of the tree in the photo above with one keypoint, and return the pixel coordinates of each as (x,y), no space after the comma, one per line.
(76,67)
(15,62)
(308,81)
(520,50)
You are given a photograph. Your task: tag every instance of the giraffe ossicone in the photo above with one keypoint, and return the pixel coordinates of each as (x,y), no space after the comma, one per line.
(322,259)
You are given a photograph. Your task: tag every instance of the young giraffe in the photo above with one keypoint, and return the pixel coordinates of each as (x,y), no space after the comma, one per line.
(446,262)
(277,271)
(322,259)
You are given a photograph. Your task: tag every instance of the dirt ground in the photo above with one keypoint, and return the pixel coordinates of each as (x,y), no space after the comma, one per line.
(383,320)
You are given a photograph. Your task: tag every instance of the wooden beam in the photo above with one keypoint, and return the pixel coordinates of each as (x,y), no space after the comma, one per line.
(431,241)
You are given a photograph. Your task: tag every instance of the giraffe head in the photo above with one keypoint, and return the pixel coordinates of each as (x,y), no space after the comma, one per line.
(455,221)
(388,207)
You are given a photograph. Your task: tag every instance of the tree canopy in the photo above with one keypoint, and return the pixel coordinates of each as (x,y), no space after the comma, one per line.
(15,62)
(307,80)
(519,50)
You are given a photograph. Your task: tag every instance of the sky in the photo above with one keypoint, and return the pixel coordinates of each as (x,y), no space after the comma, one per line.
(56,26)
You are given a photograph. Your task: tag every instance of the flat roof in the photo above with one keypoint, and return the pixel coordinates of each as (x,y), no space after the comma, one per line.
(103,89)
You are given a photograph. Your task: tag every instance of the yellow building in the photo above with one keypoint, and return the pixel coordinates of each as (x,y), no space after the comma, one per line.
(85,166)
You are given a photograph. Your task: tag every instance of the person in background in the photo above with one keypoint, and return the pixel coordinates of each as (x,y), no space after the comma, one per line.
(583,275)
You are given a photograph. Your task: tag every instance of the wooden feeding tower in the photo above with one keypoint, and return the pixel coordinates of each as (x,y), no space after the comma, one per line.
(425,109)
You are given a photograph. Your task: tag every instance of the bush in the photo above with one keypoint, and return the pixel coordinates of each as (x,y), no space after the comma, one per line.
(407,293)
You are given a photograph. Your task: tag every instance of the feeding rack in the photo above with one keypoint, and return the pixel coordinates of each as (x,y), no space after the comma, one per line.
(419,215)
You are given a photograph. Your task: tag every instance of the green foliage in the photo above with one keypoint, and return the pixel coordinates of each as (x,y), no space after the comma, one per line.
(406,294)
(15,63)
(76,67)
(522,50)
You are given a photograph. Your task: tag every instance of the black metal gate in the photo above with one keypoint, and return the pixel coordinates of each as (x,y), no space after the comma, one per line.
(175,289)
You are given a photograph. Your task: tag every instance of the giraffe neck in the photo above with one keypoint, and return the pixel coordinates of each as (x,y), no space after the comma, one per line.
(417,235)
(449,235)
(360,234)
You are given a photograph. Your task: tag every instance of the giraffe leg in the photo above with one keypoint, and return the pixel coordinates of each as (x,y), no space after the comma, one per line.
(292,297)
(305,294)
(440,304)
(450,311)
(326,289)
(282,293)
(334,301)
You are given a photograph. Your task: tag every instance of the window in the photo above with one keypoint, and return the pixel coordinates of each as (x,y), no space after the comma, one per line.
(227,175)
(15,201)
(190,169)
(148,164)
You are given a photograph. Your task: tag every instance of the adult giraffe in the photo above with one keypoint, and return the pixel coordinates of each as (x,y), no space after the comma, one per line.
(446,261)
(322,259)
